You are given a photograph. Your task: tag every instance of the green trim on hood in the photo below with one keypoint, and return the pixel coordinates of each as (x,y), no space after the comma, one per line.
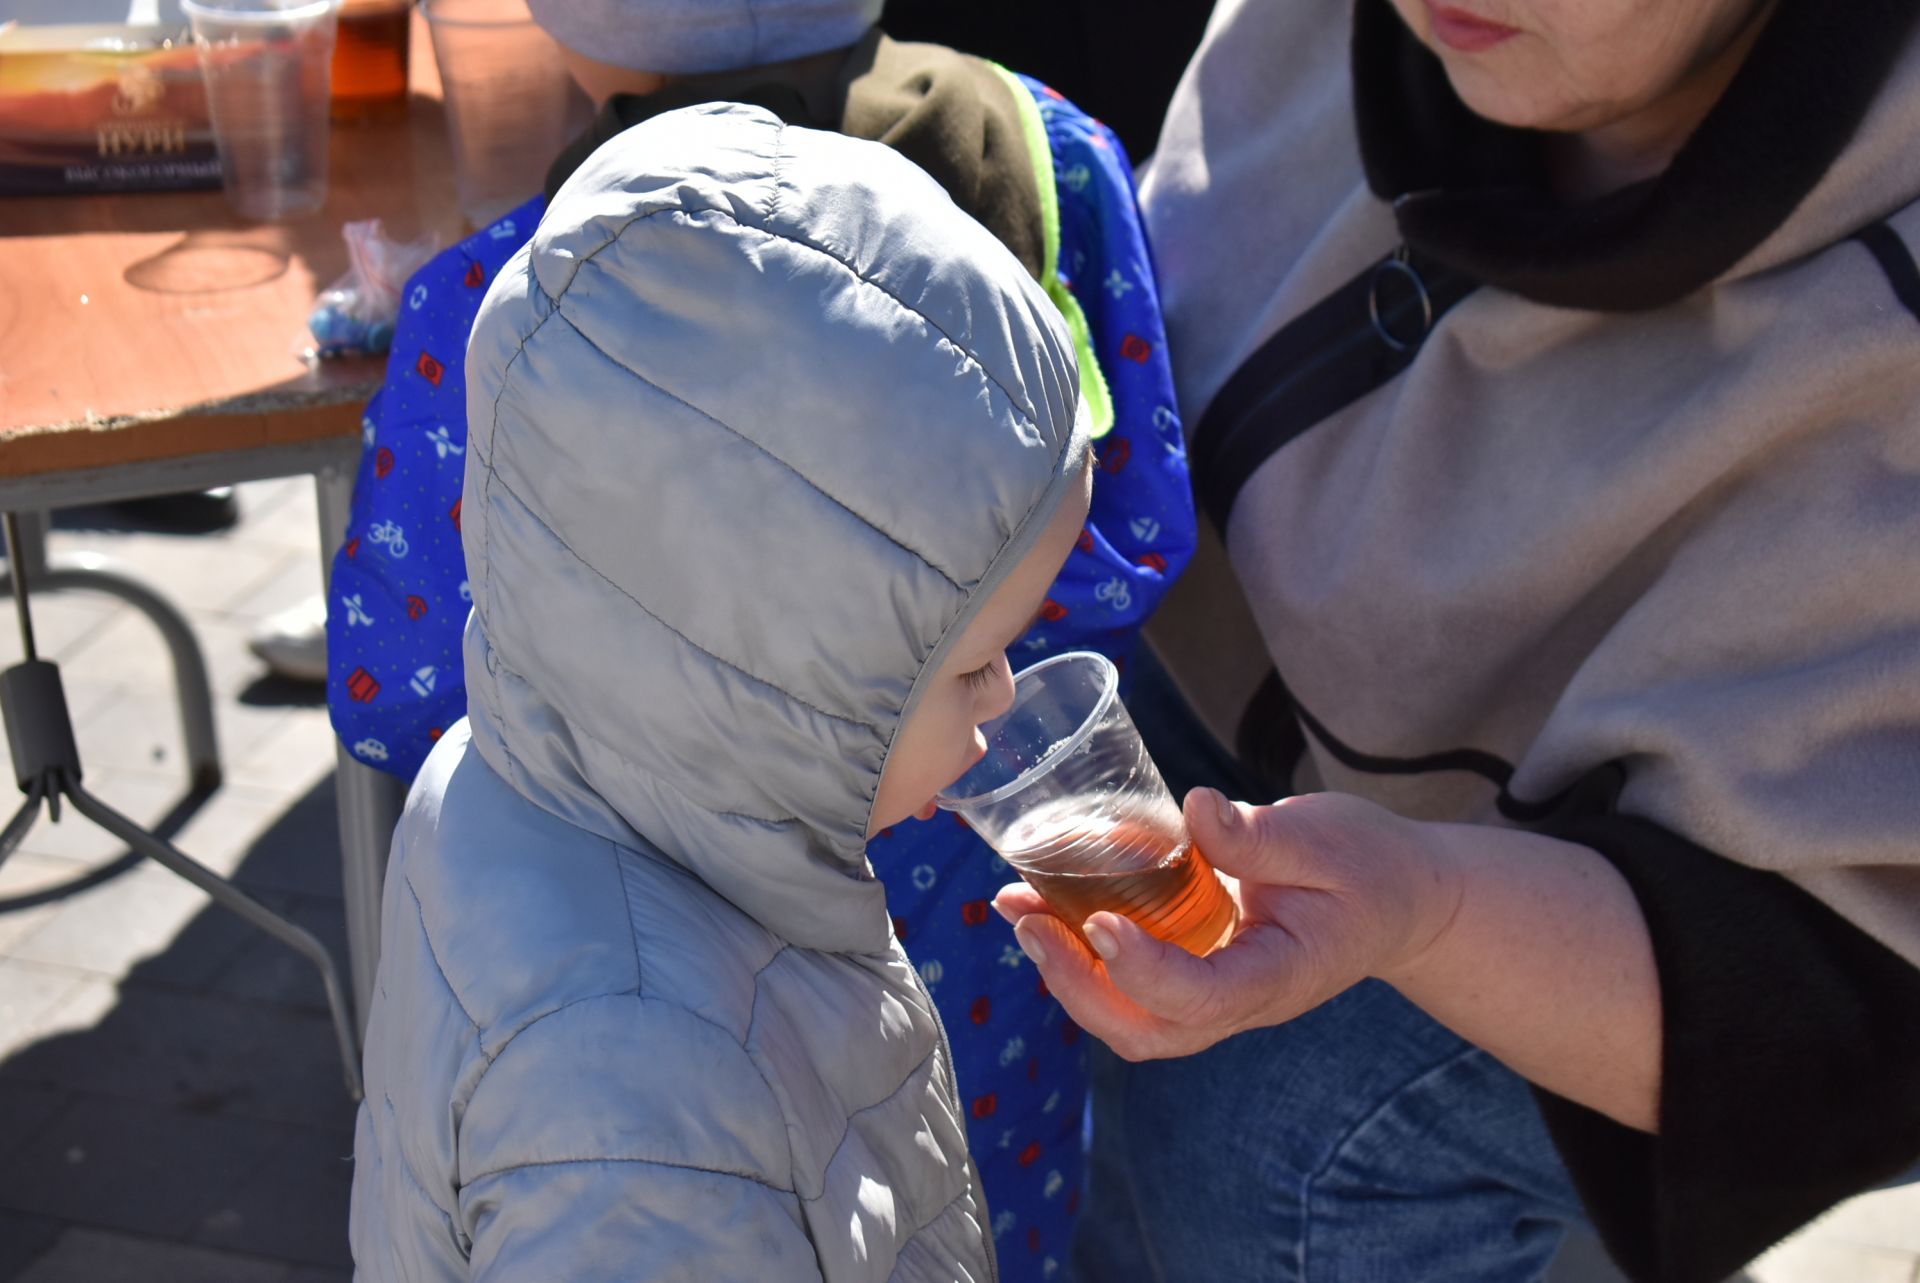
(1093,384)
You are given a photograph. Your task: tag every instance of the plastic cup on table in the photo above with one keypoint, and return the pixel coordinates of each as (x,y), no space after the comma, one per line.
(370,52)
(1068,796)
(267,66)
(511,106)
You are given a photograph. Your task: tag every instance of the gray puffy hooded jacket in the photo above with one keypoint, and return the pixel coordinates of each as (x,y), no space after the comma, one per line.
(758,420)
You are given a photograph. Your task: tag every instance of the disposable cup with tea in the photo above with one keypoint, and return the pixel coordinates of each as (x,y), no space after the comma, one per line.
(371,46)
(1068,796)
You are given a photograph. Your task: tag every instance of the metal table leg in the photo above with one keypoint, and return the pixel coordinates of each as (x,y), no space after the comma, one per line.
(231,897)
(46,762)
(369,804)
(92,572)
(369,801)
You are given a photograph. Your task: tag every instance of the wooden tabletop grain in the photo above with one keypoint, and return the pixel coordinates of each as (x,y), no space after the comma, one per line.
(154,326)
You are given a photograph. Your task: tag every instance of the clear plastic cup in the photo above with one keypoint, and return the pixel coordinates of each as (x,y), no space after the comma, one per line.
(267,68)
(1068,796)
(511,106)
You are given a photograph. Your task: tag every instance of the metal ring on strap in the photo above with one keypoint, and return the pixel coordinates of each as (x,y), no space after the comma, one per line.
(1398,262)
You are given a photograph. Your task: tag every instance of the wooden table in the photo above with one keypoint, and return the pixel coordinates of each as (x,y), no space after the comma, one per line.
(154,343)
(159,326)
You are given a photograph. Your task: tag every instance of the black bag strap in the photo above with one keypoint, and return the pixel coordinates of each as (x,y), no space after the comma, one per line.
(1343,347)
(1351,342)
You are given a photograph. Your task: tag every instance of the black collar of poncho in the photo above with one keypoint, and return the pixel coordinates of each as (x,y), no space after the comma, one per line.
(1473,195)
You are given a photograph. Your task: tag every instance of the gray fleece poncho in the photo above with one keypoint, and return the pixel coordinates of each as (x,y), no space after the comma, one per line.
(1625,546)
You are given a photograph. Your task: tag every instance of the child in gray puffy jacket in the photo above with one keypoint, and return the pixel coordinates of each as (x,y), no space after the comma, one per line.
(772,452)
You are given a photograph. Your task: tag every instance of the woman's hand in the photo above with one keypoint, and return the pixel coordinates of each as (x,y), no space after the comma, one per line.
(1332,889)
(1531,948)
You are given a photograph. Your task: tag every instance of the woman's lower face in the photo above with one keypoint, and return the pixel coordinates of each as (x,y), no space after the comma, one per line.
(1574,65)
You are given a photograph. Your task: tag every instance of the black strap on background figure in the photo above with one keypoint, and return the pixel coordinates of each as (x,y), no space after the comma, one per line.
(1343,347)
(1896,260)
(1348,344)
(1272,732)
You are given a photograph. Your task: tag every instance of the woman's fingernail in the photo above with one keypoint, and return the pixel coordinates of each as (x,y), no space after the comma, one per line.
(1101,939)
(1031,947)
(1223,809)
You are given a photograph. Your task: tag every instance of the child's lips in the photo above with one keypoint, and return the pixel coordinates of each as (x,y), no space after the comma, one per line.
(928,811)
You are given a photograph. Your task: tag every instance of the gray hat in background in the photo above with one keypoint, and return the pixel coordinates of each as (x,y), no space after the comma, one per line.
(683,37)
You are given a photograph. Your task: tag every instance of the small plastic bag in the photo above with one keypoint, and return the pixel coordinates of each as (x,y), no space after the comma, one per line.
(354,316)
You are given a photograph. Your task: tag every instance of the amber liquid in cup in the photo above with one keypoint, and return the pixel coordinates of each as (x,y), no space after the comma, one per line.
(370,61)
(1173,893)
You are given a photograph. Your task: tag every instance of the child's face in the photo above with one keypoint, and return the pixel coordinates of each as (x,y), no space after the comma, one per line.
(942,740)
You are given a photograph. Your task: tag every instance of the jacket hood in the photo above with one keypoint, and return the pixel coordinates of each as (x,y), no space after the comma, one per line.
(757,420)
(682,37)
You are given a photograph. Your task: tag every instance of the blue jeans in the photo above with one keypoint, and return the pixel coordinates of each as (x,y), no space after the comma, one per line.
(1360,1143)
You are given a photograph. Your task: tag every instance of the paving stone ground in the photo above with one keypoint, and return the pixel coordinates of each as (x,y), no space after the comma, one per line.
(170,1102)
(171,1109)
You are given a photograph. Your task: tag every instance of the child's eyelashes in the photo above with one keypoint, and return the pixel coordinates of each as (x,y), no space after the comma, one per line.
(982,677)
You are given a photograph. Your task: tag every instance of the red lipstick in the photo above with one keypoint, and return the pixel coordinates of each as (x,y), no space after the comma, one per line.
(1464,31)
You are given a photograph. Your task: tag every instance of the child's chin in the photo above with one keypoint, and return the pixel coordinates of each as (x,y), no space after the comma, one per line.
(928,811)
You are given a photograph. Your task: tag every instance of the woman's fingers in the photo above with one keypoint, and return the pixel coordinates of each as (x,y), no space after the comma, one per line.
(1146,998)
(1257,978)
(1291,869)
(1269,845)
(1017,900)
(1081,984)
(1163,979)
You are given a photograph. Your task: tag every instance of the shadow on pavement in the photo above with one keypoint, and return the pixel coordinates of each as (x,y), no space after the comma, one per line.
(274,691)
(206,1106)
(167,827)
(198,512)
